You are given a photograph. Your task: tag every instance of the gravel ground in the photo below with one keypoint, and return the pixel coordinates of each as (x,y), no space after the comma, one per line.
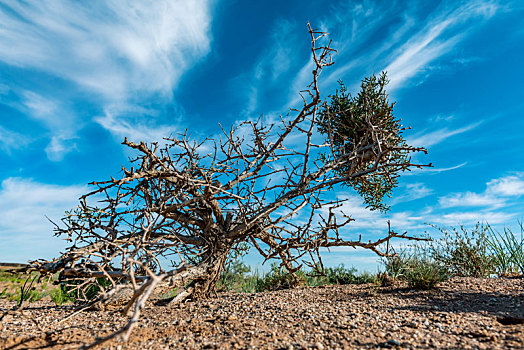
(464,313)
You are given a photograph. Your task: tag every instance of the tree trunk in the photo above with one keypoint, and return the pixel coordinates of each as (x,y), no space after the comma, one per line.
(214,265)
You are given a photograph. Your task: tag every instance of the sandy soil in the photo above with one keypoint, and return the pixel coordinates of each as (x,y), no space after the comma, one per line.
(464,313)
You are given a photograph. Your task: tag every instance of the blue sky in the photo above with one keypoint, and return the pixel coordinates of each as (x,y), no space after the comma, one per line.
(77,77)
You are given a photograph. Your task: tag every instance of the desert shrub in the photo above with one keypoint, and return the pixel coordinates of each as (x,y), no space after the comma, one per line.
(464,253)
(397,265)
(89,291)
(425,273)
(279,278)
(35,295)
(416,267)
(342,275)
(59,296)
(315,279)
(507,250)
(30,295)
(478,252)
(238,277)
(249,284)
(234,276)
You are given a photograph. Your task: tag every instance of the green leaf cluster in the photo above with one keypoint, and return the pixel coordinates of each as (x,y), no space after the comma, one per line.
(354,126)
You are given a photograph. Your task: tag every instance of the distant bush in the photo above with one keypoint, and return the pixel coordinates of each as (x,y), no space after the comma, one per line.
(60,296)
(279,278)
(415,267)
(464,253)
(238,277)
(89,291)
(22,287)
(397,265)
(234,277)
(507,250)
(425,273)
(478,252)
(342,275)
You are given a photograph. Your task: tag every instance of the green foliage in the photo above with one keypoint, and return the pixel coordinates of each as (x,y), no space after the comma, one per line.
(353,124)
(60,295)
(507,250)
(40,289)
(464,253)
(416,267)
(342,275)
(315,280)
(279,278)
(479,252)
(425,273)
(238,277)
(9,277)
(84,289)
(169,294)
(397,265)
(234,276)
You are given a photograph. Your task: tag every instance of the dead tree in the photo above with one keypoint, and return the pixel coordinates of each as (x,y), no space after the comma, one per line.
(268,184)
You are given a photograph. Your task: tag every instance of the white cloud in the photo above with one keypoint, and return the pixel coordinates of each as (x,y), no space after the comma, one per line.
(299,83)
(472,217)
(57,119)
(497,194)
(112,48)
(117,52)
(4,89)
(428,139)
(498,204)
(10,140)
(507,186)
(406,49)
(273,66)
(58,147)
(433,171)
(41,108)
(470,199)
(412,192)
(24,230)
(434,40)
(373,224)
(128,121)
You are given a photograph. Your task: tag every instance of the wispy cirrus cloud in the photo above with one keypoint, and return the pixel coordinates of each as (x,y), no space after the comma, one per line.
(471,199)
(111,48)
(433,171)
(409,47)
(118,52)
(10,140)
(273,65)
(61,122)
(437,37)
(24,228)
(136,123)
(432,138)
(412,191)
